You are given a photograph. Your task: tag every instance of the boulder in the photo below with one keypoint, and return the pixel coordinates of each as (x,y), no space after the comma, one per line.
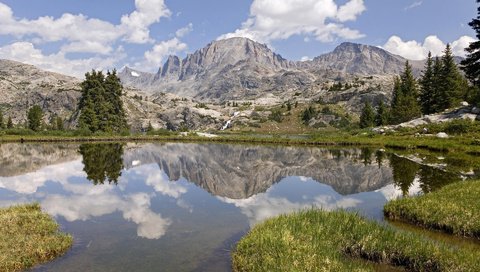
(442,135)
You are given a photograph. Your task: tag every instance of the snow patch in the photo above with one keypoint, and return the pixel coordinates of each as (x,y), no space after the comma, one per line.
(134,74)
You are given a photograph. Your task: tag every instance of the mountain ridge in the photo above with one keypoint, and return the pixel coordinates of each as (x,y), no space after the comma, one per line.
(227,69)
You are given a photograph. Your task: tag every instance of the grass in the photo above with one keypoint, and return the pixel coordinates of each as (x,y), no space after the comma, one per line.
(316,240)
(454,209)
(29,237)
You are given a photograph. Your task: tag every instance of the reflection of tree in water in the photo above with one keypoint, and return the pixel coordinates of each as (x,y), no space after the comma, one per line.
(366,154)
(379,157)
(404,172)
(102,162)
(432,179)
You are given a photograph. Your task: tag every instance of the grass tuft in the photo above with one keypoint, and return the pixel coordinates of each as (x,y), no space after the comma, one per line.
(454,209)
(29,237)
(316,240)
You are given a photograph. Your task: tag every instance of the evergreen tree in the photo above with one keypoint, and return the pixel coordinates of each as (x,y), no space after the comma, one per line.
(2,123)
(308,114)
(149,127)
(367,119)
(381,119)
(452,89)
(34,117)
(59,123)
(9,123)
(436,84)
(427,90)
(405,106)
(101,105)
(471,65)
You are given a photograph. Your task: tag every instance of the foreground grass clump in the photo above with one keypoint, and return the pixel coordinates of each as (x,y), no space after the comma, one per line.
(28,237)
(454,209)
(341,241)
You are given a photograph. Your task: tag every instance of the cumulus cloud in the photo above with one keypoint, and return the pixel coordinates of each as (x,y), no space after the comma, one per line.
(58,62)
(81,34)
(155,57)
(280,19)
(415,50)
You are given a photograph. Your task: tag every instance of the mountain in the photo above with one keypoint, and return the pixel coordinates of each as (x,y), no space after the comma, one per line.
(352,58)
(239,69)
(23,85)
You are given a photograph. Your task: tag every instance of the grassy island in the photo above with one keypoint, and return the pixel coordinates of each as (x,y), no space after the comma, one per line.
(454,209)
(316,240)
(29,237)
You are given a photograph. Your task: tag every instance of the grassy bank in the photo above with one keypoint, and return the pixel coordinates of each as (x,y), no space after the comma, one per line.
(29,237)
(340,241)
(466,144)
(454,209)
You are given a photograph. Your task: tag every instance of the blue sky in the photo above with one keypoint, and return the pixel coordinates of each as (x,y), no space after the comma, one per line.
(73,36)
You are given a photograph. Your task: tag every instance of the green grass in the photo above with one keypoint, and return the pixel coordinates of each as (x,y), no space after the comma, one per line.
(316,240)
(29,237)
(454,209)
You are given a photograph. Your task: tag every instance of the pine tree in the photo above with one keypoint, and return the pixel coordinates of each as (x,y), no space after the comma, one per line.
(427,90)
(405,106)
(101,103)
(59,123)
(381,119)
(471,65)
(34,117)
(9,123)
(2,123)
(452,89)
(437,84)
(367,119)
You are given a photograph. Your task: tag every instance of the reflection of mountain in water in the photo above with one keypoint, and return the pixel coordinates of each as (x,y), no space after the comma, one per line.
(237,171)
(17,159)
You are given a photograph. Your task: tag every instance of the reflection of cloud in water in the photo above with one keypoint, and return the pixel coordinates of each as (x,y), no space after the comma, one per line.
(159,181)
(29,183)
(86,201)
(281,199)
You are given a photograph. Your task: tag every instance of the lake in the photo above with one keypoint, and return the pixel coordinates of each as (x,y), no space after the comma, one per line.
(182,207)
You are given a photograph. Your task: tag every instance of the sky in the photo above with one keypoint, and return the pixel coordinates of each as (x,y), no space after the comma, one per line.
(74,36)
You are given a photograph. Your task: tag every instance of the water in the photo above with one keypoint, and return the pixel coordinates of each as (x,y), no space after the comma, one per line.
(182,207)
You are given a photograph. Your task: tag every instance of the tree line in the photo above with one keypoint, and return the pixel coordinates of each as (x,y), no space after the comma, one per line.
(440,87)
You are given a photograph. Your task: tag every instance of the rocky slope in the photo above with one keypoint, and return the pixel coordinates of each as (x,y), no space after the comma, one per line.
(239,68)
(22,86)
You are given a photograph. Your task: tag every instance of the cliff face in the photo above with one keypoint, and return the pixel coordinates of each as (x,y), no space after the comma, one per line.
(239,172)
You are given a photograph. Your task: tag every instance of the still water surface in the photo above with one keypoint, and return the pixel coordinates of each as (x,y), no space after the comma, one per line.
(182,207)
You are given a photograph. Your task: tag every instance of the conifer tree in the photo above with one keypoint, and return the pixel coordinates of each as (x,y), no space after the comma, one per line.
(59,123)
(471,65)
(34,117)
(9,123)
(101,107)
(405,106)
(381,119)
(367,119)
(437,84)
(427,90)
(452,89)
(2,123)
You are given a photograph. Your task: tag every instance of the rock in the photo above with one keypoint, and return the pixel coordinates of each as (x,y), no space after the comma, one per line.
(475,110)
(464,104)
(442,135)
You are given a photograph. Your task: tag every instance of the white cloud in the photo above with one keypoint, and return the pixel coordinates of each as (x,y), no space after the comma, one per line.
(418,51)
(79,34)
(415,4)
(155,57)
(138,22)
(58,62)
(280,19)
(184,31)
(305,58)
